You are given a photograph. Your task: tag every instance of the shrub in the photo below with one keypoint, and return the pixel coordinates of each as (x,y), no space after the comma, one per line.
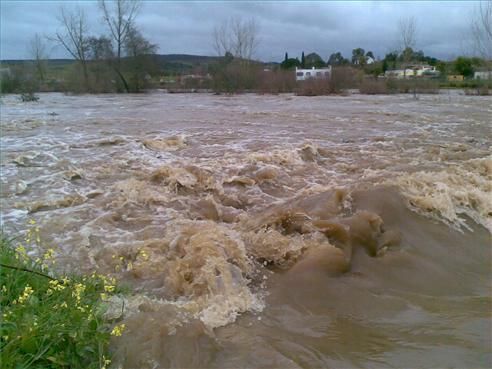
(51,321)
(343,78)
(29,97)
(392,85)
(315,87)
(276,81)
(235,77)
(373,87)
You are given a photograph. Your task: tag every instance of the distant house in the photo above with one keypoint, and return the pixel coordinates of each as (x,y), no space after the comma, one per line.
(370,60)
(455,77)
(412,71)
(484,74)
(313,73)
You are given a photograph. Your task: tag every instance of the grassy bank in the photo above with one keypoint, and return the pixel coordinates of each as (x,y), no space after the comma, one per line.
(49,320)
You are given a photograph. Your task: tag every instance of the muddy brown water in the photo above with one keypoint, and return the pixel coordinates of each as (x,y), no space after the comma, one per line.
(267,231)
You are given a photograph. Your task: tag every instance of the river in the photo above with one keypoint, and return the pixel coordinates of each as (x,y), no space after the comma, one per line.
(267,231)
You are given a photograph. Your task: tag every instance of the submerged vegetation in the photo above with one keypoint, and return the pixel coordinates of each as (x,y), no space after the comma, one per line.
(50,320)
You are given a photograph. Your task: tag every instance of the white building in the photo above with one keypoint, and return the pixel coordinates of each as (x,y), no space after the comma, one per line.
(314,73)
(482,75)
(410,72)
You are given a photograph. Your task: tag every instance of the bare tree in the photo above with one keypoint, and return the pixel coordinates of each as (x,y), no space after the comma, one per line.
(236,36)
(221,39)
(481,30)
(407,28)
(74,37)
(119,18)
(37,50)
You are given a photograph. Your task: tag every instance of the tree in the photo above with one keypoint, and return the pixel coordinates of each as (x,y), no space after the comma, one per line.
(463,66)
(101,71)
(407,55)
(391,59)
(39,55)
(384,66)
(290,63)
(337,59)
(407,29)
(303,60)
(313,60)
(481,30)
(100,48)
(139,52)
(237,36)
(286,57)
(73,37)
(358,56)
(119,18)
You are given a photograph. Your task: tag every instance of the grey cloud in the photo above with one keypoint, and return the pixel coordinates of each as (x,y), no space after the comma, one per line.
(322,27)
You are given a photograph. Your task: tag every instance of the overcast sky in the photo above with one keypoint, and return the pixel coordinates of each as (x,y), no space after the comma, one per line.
(322,27)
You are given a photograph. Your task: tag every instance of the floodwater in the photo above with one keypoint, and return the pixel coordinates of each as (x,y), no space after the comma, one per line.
(267,231)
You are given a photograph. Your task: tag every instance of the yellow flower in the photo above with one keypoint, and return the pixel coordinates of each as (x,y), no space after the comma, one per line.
(118,330)
(25,294)
(106,362)
(64,304)
(32,221)
(49,255)
(104,297)
(143,254)
(109,288)
(79,290)
(21,251)
(56,286)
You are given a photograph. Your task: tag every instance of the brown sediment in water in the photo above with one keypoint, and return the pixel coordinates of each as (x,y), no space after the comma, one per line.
(165,144)
(269,232)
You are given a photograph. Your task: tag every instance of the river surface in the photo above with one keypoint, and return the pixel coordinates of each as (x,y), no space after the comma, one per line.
(267,231)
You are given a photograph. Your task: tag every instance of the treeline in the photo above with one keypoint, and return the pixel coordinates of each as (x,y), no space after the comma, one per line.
(119,61)
(123,60)
(366,61)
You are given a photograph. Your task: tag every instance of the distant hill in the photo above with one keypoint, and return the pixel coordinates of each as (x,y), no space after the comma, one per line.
(52,62)
(187,58)
(168,64)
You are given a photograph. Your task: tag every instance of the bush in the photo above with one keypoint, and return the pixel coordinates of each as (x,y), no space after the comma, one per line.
(343,78)
(51,321)
(235,77)
(10,83)
(29,97)
(374,87)
(315,87)
(276,81)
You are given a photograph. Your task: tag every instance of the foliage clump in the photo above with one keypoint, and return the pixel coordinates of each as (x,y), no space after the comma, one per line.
(51,321)
(29,97)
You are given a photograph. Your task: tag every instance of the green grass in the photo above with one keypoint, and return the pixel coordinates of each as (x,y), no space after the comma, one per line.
(51,321)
